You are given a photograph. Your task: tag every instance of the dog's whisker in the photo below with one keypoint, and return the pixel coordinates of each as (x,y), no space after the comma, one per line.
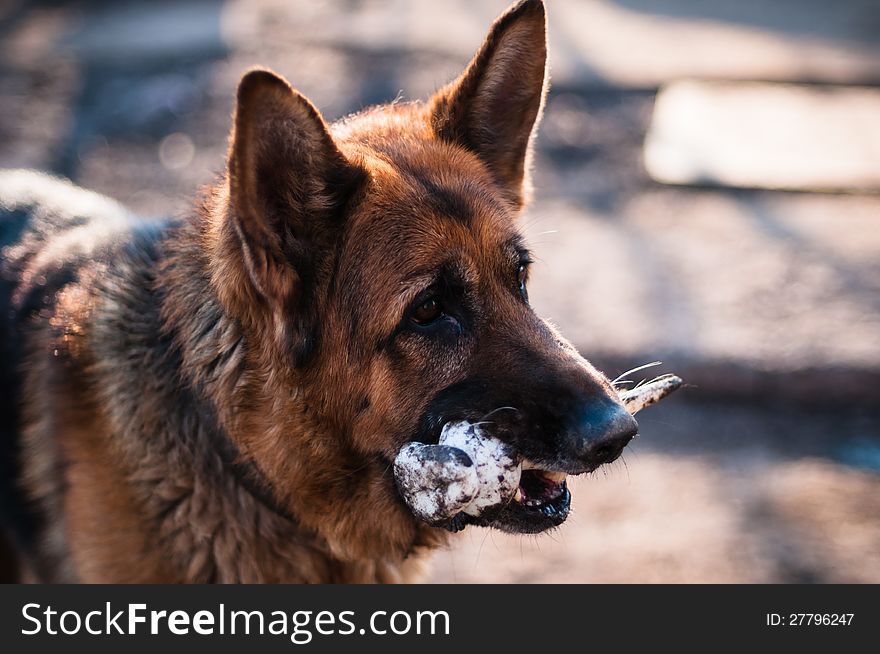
(636,369)
(482,543)
(501,408)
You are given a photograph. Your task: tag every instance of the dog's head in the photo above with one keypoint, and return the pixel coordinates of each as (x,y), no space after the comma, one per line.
(384,254)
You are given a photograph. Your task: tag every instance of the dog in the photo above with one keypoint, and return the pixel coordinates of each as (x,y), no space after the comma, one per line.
(219,398)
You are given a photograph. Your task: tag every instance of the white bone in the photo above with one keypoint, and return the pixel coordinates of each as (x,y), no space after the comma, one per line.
(436,481)
(497,465)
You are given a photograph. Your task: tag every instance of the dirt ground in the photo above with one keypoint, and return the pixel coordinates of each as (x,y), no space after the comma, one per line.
(765,468)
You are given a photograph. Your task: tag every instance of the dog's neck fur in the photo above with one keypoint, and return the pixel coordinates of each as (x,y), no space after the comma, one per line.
(232,523)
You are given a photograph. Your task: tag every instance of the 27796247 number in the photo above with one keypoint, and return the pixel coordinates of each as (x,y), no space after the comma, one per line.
(809,619)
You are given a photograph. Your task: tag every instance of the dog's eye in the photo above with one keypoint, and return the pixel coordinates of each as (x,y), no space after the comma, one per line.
(427,312)
(521,278)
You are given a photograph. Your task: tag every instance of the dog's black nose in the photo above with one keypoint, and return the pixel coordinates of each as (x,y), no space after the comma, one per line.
(603,431)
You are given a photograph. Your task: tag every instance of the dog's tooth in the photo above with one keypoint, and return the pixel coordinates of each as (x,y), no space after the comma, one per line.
(517,497)
(558,477)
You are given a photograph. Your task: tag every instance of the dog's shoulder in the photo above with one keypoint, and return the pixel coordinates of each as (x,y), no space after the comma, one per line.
(52,230)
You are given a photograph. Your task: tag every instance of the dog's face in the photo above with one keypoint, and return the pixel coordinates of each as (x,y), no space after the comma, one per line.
(387,251)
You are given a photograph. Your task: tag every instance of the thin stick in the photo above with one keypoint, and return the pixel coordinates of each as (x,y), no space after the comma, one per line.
(636,399)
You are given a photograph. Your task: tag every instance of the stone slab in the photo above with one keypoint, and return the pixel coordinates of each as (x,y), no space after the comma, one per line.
(776,136)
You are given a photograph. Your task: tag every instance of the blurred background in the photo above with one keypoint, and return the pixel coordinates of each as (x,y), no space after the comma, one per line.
(707,194)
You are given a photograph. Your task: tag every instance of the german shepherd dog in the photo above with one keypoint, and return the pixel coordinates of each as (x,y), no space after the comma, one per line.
(220,398)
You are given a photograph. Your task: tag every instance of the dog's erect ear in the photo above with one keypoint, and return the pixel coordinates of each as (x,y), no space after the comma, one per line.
(493,107)
(287,180)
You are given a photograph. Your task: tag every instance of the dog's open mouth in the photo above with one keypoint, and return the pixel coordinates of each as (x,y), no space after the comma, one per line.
(539,488)
(541,501)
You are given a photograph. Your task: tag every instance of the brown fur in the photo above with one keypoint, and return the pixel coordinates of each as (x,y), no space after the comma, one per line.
(220,399)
